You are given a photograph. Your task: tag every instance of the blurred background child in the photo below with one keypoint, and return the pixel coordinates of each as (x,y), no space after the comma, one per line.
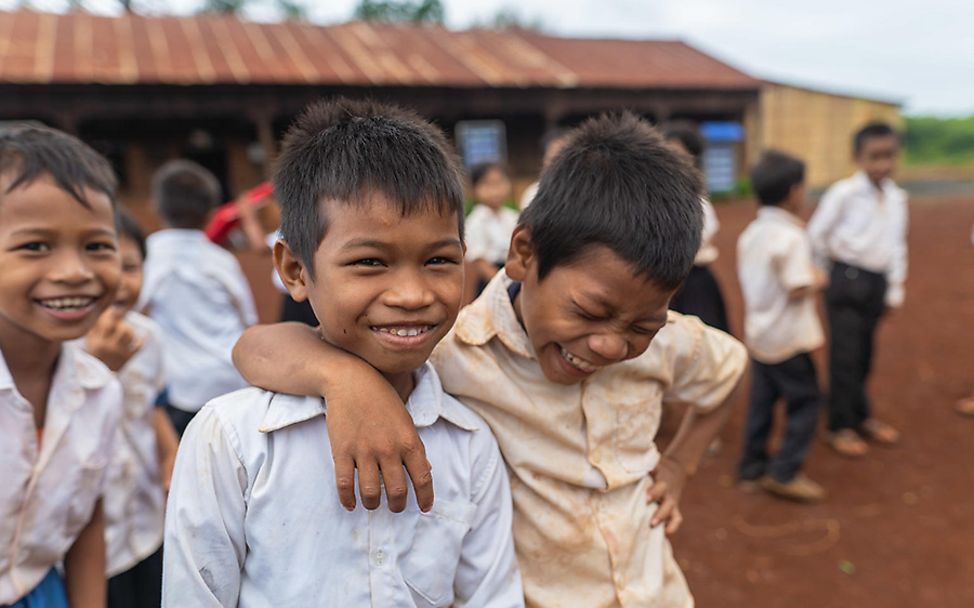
(490,224)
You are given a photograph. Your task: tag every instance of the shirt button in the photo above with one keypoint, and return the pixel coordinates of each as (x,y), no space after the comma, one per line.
(380,557)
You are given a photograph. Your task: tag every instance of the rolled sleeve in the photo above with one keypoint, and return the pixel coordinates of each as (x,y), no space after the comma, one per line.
(707,365)
(205,544)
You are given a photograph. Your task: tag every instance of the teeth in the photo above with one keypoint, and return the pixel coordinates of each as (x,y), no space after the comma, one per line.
(67,303)
(578,363)
(404,332)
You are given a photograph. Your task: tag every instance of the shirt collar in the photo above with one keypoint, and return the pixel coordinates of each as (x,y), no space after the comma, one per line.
(866,185)
(492,314)
(770,212)
(426,405)
(88,372)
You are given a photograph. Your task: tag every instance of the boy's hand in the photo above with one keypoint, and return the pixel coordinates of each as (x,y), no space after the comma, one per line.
(669,479)
(379,450)
(112,340)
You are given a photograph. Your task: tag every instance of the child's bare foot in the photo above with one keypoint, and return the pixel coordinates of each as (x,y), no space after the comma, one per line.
(800,489)
(848,443)
(965,407)
(880,432)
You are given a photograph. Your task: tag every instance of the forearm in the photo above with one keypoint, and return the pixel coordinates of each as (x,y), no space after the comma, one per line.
(84,565)
(292,358)
(699,429)
(167,442)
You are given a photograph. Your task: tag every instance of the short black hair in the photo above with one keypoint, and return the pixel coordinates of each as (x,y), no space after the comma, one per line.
(871,130)
(129,228)
(774,175)
(687,134)
(29,152)
(618,184)
(184,193)
(479,171)
(344,150)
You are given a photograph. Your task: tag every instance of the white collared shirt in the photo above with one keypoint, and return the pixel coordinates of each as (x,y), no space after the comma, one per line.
(774,257)
(134,501)
(254,517)
(859,225)
(708,253)
(48,491)
(199,296)
(488,233)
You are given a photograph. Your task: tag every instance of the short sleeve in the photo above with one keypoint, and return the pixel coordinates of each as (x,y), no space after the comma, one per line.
(706,363)
(795,265)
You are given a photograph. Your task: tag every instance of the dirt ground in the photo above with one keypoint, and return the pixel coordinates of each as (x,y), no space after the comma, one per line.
(898,528)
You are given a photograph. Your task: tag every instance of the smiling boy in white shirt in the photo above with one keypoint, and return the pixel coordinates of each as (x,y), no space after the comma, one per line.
(372,236)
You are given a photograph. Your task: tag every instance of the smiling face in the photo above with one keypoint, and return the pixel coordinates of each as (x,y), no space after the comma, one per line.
(60,263)
(878,156)
(386,288)
(587,314)
(131,279)
(493,188)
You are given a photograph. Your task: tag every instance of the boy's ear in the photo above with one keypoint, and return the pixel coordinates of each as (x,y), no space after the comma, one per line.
(291,271)
(521,254)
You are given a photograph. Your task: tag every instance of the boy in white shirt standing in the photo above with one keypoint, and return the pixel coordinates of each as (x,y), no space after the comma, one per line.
(860,229)
(779,281)
(372,236)
(195,290)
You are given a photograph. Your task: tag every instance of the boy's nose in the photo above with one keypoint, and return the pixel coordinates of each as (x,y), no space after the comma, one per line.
(610,346)
(70,268)
(409,295)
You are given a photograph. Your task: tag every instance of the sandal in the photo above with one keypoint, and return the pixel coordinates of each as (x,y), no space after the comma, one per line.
(848,443)
(880,432)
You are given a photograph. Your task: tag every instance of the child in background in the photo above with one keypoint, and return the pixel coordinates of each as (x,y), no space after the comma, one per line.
(372,235)
(700,294)
(59,406)
(195,290)
(490,224)
(780,282)
(130,344)
(551,144)
(570,355)
(859,229)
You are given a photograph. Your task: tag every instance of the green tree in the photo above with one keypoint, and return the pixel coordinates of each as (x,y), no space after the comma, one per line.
(394,11)
(223,7)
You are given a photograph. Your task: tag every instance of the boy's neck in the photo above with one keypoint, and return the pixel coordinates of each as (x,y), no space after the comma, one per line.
(404,383)
(31,362)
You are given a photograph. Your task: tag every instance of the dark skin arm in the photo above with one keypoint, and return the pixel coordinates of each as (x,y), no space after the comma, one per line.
(84,565)
(368,426)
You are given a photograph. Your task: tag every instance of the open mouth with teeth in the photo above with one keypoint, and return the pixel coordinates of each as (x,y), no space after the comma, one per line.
(403,335)
(577,363)
(69,308)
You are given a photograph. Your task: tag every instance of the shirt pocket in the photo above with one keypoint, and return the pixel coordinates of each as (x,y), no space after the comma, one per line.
(81,501)
(430,564)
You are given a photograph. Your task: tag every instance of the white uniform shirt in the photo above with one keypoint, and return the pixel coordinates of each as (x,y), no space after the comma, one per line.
(488,233)
(199,296)
(134,501)
(48,491)
(707,254)
(774,256)
(254,517)
(857,224)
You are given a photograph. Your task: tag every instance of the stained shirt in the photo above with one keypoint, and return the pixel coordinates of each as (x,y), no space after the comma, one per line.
(774,257)
(49,487)
(254,517)
(134,501)
(580,456)
(199,296)
(863,226)
(488,233)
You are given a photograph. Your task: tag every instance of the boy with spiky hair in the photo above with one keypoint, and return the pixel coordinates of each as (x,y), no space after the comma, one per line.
(569,355)
(372,235)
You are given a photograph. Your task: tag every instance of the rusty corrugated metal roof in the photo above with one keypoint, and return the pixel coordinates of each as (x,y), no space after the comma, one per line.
(77,47)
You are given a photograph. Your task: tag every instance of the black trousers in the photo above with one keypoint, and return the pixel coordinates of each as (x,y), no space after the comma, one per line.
(700,296)
(180,419)
(854,303)
(138,587)
(793,380)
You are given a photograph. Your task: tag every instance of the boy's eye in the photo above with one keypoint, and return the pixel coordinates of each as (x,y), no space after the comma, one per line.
(587,315)
(441,260)
(100,246)
(644,331)
(368,262)
(35,246)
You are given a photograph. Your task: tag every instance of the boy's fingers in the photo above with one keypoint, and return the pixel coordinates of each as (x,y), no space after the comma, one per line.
(369,484)
(394,479)
(663,512)
(421,475)
(345,481)
(676,520)
(656,491)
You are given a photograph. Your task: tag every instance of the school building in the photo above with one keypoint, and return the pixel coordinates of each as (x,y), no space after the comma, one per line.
(221,91)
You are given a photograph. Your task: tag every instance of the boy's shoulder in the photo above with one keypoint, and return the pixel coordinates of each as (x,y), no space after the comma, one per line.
(254,411)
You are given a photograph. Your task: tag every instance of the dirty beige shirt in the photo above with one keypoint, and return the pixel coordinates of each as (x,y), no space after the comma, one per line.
(580,456)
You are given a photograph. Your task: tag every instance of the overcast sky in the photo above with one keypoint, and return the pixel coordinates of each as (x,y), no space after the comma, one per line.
(920,53)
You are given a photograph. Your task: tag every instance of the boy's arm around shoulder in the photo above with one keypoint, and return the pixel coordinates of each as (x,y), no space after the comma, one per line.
(368,426)
(488,574)
(204,540)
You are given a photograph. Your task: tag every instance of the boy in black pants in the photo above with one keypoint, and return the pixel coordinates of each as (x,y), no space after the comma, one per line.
(860,229)
(779,281)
